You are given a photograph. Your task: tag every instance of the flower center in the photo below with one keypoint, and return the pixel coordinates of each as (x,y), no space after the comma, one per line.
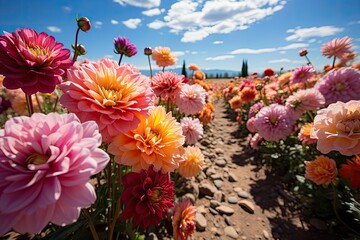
(149,142)
(340,87)
(36,159)
(349,126)
(273,120)
(38,51)
(156,195)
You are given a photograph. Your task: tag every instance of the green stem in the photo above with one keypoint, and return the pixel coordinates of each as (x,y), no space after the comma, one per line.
(336,212)
(56,102)
(308,60)
(91,224)
(109,171)
(150,66)
(121,56)
(76,41)
(29,104)
(163,69)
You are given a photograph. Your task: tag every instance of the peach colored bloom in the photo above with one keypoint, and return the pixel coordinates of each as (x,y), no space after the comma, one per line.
(321,171)
(18,101)
(337,128)
(206,114)
(205,86)
(193,67)
(336,47)
(200,75)
(184,220)
(193,161)
(163,57)
(304,134)
(235,102)
(191,98)
(284,78)
(156,141)
(113,96)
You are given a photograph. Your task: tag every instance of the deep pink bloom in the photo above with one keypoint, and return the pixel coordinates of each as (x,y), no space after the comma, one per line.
(114,96)
(192,129)
(166,84)
(191,99)
(302,74)
(303,52)
(340,85)
(45,164)
(273,122)
(254,109)
(124,46)
(336,47)
(31,61)
(147,197)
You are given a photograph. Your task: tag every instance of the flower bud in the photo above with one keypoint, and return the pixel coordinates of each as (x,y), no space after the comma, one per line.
(148,51)
(259,87)
(303,52)
(80,49)
(84,24)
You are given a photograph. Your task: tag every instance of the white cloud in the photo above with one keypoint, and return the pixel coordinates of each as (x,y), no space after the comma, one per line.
(98,24)
(252,51)
(194,52)
(156,24)
(152,12)
(132,22)
(196,19)
(54,29)
(114,22)
(142,3)
(178,53)
(282,60)
(219,58)
(218,42)
(354,22)
(268,50)
(282,52)
(109,56)
(299,34)
(67,8)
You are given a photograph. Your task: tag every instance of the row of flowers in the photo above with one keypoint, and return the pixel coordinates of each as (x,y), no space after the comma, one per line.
(307,125)
(101,139)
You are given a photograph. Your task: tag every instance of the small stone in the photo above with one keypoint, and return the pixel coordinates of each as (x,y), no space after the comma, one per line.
(228,220)
(238,189)
(201,209)
(210,171)
(225,210)
(207,189)
(214,204)
(218,195)
(243,237)
(232,177)
(200,222)
(266,234)
(243,194)
(221,163)
(232,199)
(219,150)
(205,142)
(247,205)
(213,211)
(218,183)
(318,224)
(190,196)
(230,231)
(215,176)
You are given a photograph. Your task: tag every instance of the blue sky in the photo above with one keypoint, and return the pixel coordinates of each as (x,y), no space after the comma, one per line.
(211,34)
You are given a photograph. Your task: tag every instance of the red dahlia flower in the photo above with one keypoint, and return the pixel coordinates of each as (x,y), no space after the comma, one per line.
(147,197)
(32,61)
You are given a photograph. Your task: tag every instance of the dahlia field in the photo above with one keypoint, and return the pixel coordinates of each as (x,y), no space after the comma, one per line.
(97,150)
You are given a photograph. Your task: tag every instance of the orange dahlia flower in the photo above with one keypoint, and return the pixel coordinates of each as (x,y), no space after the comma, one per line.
(184,220)
(193,67)
(321,171)
(304,134)
(248,94)
(193,161)
(200,75)
(235,102)
(201,83)
(163,57)
(156,141)
(206,114)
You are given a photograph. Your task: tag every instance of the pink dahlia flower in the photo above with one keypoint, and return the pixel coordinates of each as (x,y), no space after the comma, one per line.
(305,100)
(337,47)
(250,125)
(166,84)
(302,74)
(32,61)
(192,129)
(255,141)
(337,128)
(191,99)
(254,109)
(45,164)
(340,85)
(113,96)
(147,196)
(273,122)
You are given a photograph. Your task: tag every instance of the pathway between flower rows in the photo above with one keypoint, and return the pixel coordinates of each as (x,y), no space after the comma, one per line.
(238,199)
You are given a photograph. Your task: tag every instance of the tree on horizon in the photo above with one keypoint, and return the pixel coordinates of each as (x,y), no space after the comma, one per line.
(244,69)
(183,71)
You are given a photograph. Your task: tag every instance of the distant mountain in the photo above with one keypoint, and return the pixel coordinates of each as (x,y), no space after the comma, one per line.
(211,73)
